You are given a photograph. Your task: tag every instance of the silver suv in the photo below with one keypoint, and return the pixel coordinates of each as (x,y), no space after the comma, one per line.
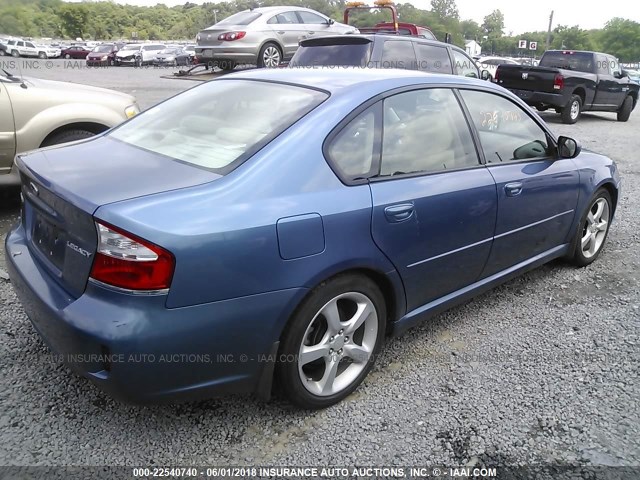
(263,36)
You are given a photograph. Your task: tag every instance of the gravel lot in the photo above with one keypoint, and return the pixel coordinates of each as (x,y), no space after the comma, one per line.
(541,370)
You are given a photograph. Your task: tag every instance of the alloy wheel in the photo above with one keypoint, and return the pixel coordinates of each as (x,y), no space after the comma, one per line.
(575,109)
(271,57)
(338,344)
(594,230)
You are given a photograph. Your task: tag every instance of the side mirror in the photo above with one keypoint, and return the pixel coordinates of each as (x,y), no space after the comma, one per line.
(485,75)
(568,147)
(330,21)
(624,74)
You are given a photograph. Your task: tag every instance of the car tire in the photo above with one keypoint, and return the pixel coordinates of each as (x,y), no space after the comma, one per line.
(42,55)
(2,53)
(347,346)
(571,112)
(625,110)
(593,229)
(67,56)
(67,136)
(139,62)
(270,56)
(15,53)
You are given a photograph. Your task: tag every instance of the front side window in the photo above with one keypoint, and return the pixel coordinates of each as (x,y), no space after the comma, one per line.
(507,132)
(464,65)
(30,45)
(432,58)
(189,128)
(311,18)
(398,54)
(425,131)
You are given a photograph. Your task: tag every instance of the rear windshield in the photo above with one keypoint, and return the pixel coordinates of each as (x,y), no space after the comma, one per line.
(240,18)
(354,55)
(578,61)
(221,123)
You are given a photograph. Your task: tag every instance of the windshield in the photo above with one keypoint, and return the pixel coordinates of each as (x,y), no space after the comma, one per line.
(578,61)
(103,49)
(240,18)
(192,129)
(353,55)
(168,51)
(131,47)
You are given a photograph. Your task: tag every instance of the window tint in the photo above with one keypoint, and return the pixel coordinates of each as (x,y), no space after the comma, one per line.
(614,66)
(602,65)
(568,60)
(29,44)
(398,54)
(308,17)
(464,65)
(506,131)
(352,150)
(432,58)
(425,131)
(353,55)
(426,33)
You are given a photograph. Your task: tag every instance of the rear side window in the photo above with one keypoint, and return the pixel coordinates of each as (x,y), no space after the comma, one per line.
(352,150)
(311,18)
(286,18)
(464,65)
(189,128)
(351,55)
(425,131)
(398,54)
(432,58)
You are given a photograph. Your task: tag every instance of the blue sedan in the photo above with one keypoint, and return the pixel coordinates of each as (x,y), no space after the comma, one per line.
(271,227)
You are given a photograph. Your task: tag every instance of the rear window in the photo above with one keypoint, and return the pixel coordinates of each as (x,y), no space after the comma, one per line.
(353,55)
(240,18)
(221,123)
(578,61)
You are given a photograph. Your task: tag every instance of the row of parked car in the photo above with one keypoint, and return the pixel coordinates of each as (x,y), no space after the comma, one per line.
(118,53)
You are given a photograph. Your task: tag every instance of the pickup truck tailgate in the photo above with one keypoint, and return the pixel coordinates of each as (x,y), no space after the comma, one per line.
(522,77)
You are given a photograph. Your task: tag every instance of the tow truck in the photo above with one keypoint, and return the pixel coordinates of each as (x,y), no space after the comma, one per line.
(389,28)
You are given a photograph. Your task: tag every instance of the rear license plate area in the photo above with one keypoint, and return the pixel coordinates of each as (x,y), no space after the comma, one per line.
(49,240)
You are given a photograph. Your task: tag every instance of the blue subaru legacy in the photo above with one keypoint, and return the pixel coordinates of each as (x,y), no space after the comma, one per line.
(271,227)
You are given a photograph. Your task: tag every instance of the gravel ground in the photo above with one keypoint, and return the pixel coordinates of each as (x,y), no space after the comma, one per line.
(541,370)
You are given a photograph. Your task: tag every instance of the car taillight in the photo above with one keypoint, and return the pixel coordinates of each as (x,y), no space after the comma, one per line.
(230,36)
(125,261)
(558,82)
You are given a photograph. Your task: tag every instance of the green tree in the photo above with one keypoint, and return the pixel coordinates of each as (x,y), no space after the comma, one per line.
(493,24)
(445,9)
(621,37)
(471,30)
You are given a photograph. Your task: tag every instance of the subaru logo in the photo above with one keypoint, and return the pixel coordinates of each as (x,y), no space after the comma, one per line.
(34,188)
(525,76)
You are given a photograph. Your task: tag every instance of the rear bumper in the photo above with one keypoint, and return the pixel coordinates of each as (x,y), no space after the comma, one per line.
(248,55)
(541,98)
(136,349)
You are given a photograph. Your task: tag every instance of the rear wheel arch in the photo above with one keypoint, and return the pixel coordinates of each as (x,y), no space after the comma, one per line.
(92,127)
(581,93)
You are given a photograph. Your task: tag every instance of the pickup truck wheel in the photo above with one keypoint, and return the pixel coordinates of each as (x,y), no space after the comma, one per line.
(571,112)
(625,109)
(67,136)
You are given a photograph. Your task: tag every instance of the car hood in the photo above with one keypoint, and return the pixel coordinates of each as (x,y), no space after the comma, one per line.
(101,170)
(76,88)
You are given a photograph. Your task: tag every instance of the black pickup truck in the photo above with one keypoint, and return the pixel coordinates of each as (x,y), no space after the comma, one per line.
(572,82)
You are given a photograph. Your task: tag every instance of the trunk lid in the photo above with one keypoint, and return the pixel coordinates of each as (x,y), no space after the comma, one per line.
(209,38)
(63,186)
(522,77)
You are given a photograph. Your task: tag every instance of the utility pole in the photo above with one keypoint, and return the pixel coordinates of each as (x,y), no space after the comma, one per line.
(549,31)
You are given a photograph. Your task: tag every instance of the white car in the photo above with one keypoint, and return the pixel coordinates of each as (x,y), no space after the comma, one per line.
(24,48)
(490,64)
(138,54)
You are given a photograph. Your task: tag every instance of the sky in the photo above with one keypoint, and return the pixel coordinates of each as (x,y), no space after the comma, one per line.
(520,15)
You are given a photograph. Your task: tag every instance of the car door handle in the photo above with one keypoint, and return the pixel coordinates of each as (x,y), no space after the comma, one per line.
(280,32)
(399,213)
(513,189)
(311,33)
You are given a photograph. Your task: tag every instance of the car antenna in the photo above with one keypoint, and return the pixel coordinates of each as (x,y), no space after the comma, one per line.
(22,84)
